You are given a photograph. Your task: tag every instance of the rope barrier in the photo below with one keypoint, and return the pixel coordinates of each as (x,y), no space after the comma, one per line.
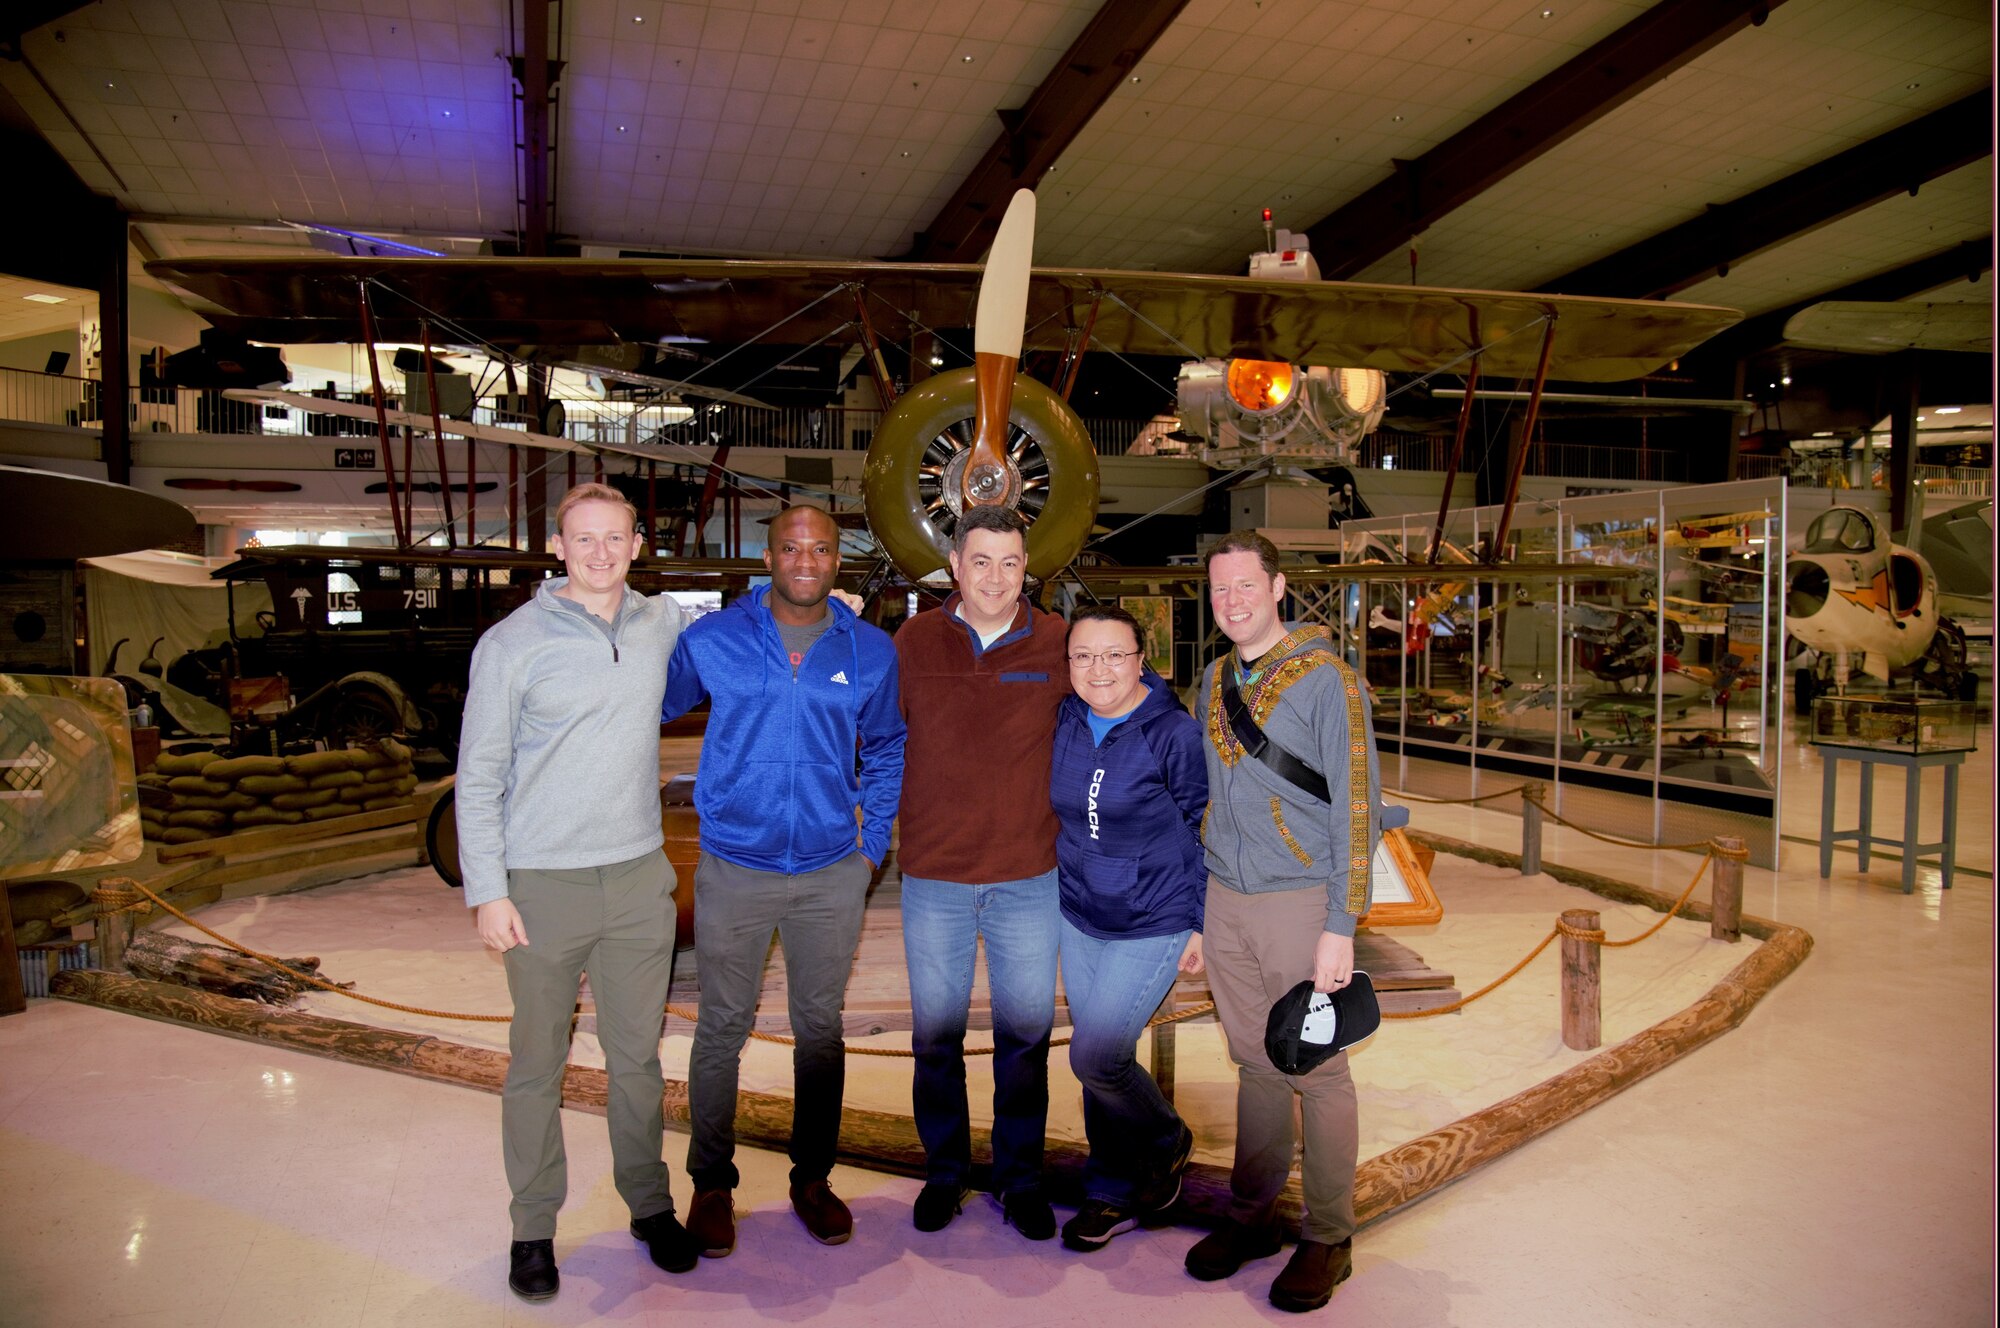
(1705,844)
(1453,802)
(1562,928)
(145,894)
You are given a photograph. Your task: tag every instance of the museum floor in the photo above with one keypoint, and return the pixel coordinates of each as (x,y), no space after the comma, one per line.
(1830,1163)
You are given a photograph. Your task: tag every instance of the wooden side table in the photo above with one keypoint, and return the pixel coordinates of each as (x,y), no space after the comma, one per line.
(1913,766)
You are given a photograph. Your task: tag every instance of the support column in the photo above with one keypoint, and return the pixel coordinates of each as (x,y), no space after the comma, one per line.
(1904,392)
(114,314)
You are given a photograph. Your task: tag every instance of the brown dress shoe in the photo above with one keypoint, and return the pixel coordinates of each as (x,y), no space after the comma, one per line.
(825,1216)
(1316,1268)
(711,1222)
(1222,1251)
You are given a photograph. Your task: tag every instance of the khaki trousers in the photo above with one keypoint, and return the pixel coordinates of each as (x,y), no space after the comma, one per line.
(617,923)
(1257,948)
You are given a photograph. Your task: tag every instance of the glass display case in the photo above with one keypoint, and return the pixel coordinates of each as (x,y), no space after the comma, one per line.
(1647,696)
(1912,726)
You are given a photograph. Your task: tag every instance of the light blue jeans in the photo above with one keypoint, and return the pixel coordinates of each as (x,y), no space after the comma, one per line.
(943,922)
(1113,987)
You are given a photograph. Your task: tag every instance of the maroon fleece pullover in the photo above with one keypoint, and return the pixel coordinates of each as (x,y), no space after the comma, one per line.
(982,732)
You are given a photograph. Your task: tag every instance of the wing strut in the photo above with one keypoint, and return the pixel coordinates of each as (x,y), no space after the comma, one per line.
(1457,445)
(1520,464)
(437,433)
(398,517)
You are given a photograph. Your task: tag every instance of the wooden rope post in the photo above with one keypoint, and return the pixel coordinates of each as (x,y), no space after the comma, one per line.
(115,919)
(1582,985)
(1531,829)
(1163,1048)
(1725,892)
(13,992)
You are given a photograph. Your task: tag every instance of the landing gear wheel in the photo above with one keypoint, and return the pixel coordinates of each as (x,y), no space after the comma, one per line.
(914,467)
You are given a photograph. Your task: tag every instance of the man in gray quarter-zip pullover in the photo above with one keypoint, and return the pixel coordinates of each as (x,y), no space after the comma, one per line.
(561,851)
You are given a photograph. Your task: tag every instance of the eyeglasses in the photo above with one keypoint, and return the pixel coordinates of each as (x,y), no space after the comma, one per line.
(1083,659)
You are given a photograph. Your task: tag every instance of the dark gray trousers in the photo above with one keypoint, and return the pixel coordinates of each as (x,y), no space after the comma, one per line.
(817,916)
(617,923)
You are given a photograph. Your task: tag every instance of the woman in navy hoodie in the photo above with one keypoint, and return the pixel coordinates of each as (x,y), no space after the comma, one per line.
(1129,788)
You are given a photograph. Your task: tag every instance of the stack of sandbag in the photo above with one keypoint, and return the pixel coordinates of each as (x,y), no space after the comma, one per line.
(201,795)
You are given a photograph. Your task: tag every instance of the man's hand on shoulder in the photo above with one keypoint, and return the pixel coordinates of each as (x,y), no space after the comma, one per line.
(851,600)
(500,925)
(1333,961)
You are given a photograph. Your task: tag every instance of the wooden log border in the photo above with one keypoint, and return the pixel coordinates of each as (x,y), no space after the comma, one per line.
(883,1141)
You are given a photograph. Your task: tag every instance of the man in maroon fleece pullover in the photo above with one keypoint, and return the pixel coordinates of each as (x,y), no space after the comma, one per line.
(982,677)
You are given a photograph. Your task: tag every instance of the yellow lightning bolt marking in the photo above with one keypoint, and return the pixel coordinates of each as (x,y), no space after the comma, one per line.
(1875,595)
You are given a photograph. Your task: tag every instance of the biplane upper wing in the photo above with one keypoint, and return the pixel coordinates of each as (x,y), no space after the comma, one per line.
(518,301)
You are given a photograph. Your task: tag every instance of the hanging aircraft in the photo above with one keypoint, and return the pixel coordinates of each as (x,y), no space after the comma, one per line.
(980,435)
(1855,596)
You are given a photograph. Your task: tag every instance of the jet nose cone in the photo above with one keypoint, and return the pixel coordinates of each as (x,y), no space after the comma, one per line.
(1807,593)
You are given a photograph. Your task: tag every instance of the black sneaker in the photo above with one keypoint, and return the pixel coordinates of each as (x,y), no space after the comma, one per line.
(531,1269)
(667,1241)
(1166,1188)
(1227,1248)
(1029,1213)
(1095,1224)
(939,1202)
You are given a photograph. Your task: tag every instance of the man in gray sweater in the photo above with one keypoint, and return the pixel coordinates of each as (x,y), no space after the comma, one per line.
(1288,880)
(560,848)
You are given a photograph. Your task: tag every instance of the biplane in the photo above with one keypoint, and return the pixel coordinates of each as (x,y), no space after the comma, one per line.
(985,434)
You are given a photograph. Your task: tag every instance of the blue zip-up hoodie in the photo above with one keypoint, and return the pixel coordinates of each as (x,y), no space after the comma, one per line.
(1128,855)
(777,787)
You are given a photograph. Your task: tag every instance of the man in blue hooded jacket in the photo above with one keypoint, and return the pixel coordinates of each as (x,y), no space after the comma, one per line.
(796,684)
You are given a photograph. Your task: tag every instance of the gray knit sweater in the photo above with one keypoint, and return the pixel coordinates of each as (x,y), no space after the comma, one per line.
(559,760)
(1263,833)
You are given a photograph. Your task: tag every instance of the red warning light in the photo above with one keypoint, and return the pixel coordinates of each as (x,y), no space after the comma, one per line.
(1267,216)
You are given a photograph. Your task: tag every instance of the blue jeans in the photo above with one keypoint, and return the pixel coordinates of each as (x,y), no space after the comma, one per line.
(943,922)
(1113,987)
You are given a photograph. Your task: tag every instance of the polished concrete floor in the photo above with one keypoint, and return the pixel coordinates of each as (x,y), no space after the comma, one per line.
(1830,1164)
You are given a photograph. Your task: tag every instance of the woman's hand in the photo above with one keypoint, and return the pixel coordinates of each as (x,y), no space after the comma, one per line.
(1191,956)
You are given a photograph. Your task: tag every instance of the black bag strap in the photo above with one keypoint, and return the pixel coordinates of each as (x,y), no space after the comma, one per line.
(1258,745)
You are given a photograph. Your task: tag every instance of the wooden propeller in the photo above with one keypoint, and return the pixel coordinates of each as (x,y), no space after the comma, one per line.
(996,345)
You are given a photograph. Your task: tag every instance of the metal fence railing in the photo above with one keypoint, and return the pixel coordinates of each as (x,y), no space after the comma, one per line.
(1386,449)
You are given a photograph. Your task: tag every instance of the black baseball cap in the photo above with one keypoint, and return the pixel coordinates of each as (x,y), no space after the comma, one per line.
(1308,1027)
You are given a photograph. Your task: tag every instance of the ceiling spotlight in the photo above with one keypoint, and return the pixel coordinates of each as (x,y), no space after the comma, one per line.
(1941,410)
(39,298)
(110,85)
(965,59)
(1395,119)
(1548,13)
(1786,380)
(905,154)
(937,361)
(621,129)
(1911,87)
(447,115)
(1135,78)
(638,18)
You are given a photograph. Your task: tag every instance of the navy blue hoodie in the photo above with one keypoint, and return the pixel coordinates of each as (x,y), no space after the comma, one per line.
(1128,854)
(777,787)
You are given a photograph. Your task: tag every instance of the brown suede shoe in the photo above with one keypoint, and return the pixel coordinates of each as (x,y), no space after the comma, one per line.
(711,1222)
(826,1217)
(1316,1268)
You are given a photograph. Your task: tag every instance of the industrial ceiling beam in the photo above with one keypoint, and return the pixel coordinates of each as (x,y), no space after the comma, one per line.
(1896,162)
(1657,43)
(1036,133)
(1962,262)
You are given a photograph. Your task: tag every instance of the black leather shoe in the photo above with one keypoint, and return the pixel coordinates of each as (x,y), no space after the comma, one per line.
(1029,1213)
(1316,1268)
(1222,1251)
(531,1269)
(667,1241)
(937,1204)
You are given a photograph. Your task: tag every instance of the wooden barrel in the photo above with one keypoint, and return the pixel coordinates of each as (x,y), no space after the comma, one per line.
(677,821)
